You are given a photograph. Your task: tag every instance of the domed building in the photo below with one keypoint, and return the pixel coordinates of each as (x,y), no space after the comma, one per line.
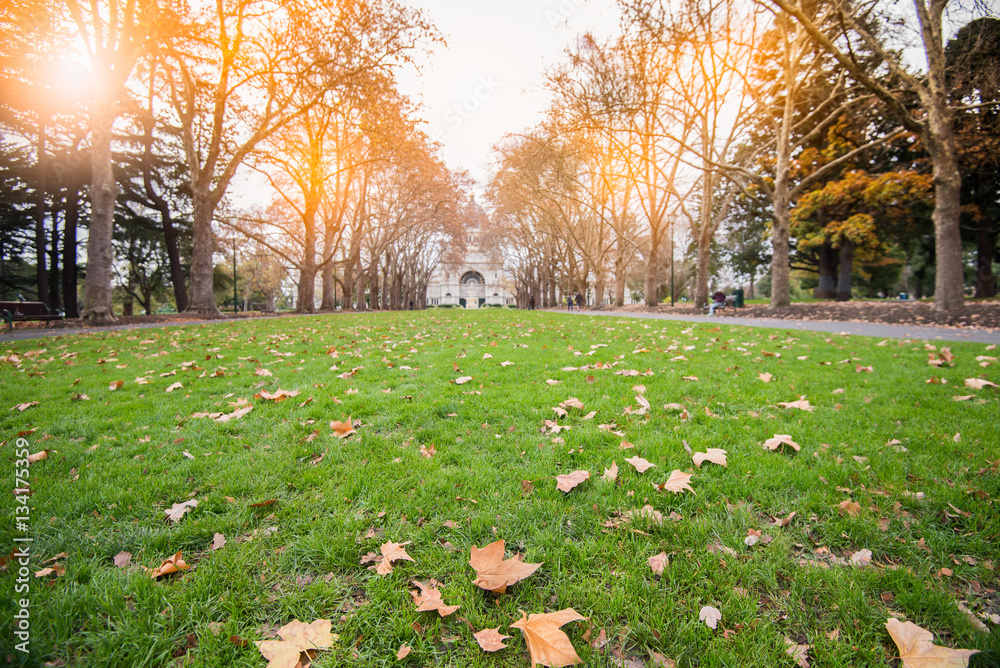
(472,280)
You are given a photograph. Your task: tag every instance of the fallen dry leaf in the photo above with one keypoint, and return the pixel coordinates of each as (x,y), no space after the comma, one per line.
(711,616)
(801,404)
(861,558)
(25,406)
(661,661)
(714,455)
(123,559)
(493,572)
(174,564)
(548,645)
(658,562)
(297,638)
(848,507)
(917,648)
(978,383)
(611,474)
(403,652)
(342,429)
(428,599)
(797,652)
(175,386)
(175,512)
(490,640)
(115,384)
(392,552)
(218,541)
(640,464)
(780,440)
(676,483)
(462,380)
(568,481)
(428,452)
(280,395)
(39,456)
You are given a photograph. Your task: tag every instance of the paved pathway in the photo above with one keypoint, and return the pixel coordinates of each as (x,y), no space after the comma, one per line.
(878,330)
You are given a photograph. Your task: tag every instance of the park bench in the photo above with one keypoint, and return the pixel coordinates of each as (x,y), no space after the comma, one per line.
(24,311)
(730,301)
(258,306)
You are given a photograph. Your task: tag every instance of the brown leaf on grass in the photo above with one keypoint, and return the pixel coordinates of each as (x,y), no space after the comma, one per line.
(797,652)
(428,452)
(693,379)
(801,404)
(238,413)
(174,564)
(115,384)
(572,402)
(342,429)
(25,406)
(978,383)
(711,616)
(611,474)
(493,572)
(548,645)
(218,541)
(848,507)
(123,559)
(462,380)
(658,562)
(58,569)
(175,512)
(766,377)
(861,558)
(280,395)
(392,552)
(403,652)
(784,521)
(40,455)
(263,372)
(490,640)
(676,483)
(781,440)
(299,643)
(714,455)
(640,464)
(567,481)
(917,648)
(175,386)
(429,599)
(660,661)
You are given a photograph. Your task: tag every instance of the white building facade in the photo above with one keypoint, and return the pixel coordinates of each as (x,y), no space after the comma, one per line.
(474,281)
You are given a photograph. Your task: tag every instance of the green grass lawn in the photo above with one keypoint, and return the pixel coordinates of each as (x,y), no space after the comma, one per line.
(299,508)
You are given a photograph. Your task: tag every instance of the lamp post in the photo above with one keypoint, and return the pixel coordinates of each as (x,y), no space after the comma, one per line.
(235,307)
(671,263)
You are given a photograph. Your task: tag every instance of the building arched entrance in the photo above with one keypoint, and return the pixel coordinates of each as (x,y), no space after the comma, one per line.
(472,290)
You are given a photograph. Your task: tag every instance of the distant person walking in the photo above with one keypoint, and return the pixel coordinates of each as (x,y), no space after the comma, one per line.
(531,303)
(569,302)
(579,301)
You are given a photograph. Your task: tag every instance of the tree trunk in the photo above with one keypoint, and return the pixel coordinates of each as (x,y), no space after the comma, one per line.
(826,287)
(71,218)
(41,193)
(177,278)
(54,276)
(780,295)
(846,269)
(329,300)
(653,273)
(701,270)
(97,305)
(305,301)
(986,241)
(202,252)
(949,283)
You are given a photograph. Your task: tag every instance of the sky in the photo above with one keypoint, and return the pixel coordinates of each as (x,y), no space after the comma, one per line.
(489,78)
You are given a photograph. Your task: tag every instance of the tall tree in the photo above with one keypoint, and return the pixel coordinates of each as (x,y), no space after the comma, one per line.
(932,119)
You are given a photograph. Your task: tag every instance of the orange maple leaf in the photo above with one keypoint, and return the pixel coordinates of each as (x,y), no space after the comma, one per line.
(297,638)
(568,481)
(640,464)
(490,640)
(391,552)
(493,572)
(779,440)
(343,429)
(174,564)
(676,483)
(429,599)
(917,648)
(548,645)
(714,455)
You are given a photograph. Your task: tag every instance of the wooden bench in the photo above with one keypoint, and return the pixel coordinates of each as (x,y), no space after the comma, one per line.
(730,302)
(258,306)
(24,311)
